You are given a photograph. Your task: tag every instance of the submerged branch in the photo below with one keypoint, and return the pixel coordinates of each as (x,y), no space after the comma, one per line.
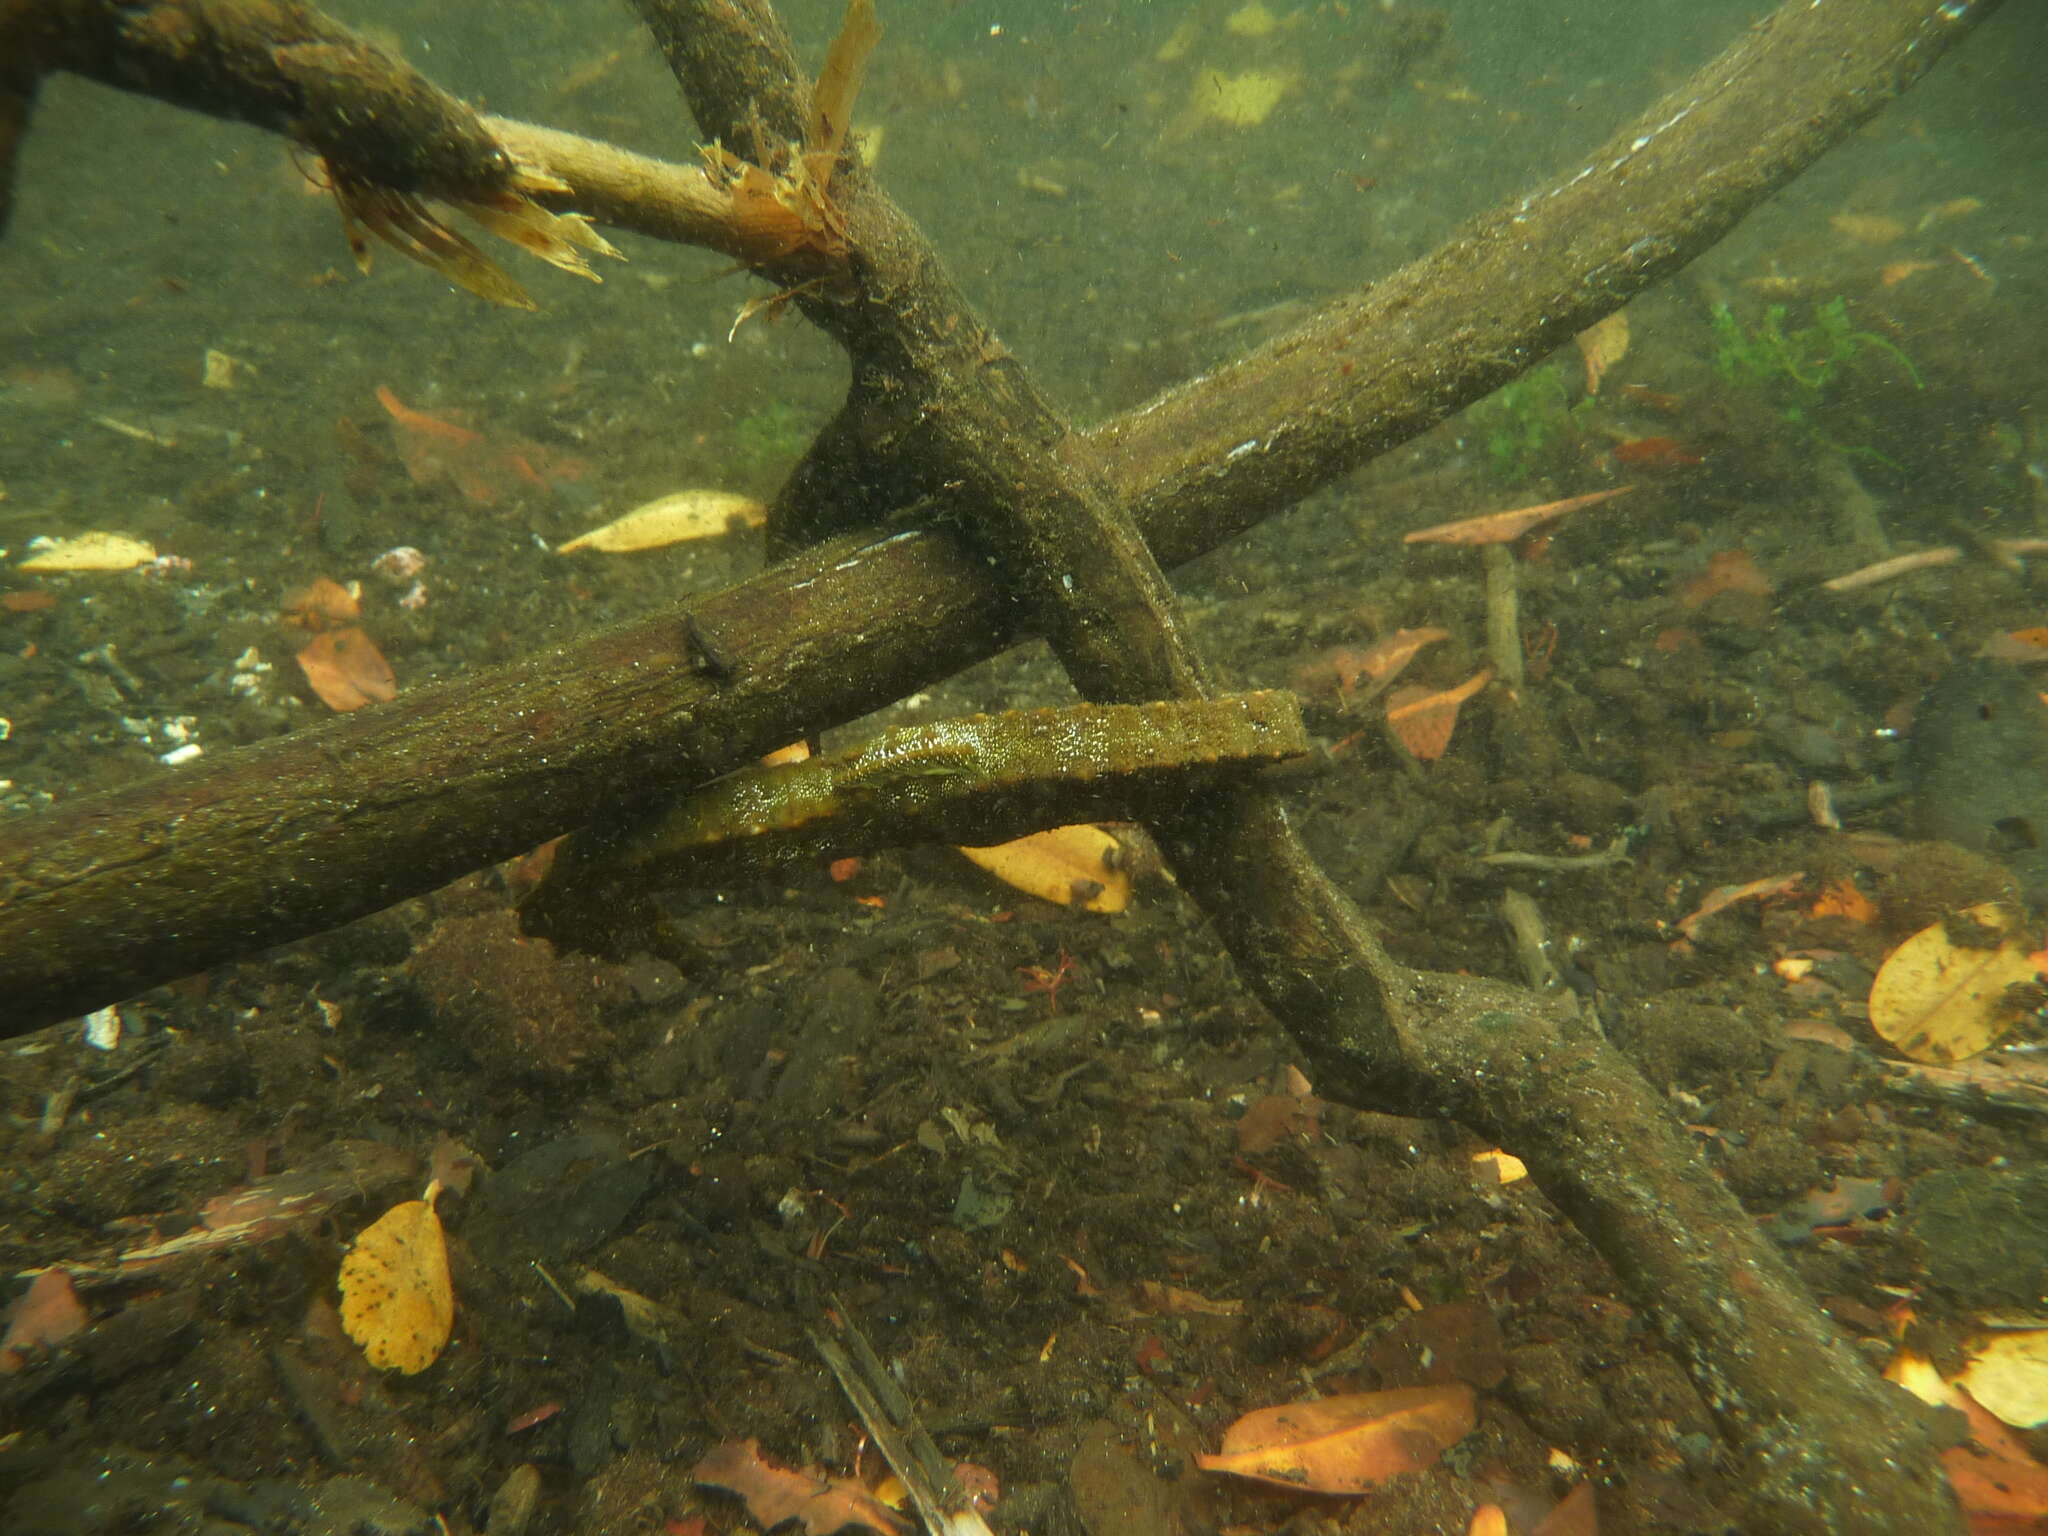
(109,893)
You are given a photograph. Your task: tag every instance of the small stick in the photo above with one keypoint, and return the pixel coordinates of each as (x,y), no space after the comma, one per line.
(1898,565)
(1503,614)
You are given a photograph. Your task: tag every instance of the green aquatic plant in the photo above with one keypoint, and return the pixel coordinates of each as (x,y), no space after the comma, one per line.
(1526,422)
(770,440)
(1795,369)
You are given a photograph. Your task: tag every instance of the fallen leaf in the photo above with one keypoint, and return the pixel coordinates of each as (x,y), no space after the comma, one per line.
(1502,527)
(2025,647)
(1239,101)
(1422,719)
(1488,1520)
(670,520)
(319,604)
(1728,570)
(1346,1443)
(1891,274)
(347,670)
(47,1313)
(1277,1118)
(1954,208)
(775,1493)
(35,601)
(486,468)
(1157,1296)
(1068,866)
(1602,345)
(1376,666)
(1842,898)
(1656,453)
(1727,895)
(397,1301)
(2000,1487)
(2008,1374)
(1940,1001)
(1499,1166)
(91,552)
(1867,228)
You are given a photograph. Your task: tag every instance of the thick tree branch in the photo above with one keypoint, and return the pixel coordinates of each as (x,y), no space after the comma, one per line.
(114,877)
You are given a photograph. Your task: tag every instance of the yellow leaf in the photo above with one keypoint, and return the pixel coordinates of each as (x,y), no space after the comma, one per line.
(396,1297)
(1243,100)
(1346,1443)
(91,552)
(2008,1374)
(1603,344)
(671,520)
(1867,228)
(1066,866)
(1940,1001)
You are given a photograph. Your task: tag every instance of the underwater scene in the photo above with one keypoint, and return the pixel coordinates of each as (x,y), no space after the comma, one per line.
(1148,768)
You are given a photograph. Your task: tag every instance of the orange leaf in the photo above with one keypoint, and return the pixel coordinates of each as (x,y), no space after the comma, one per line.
(420,424)
(1656,453)
(1999,1485)
(1345,1444)
(1843,899)
(48,1313)
(1728,570)
(320,604)
(1501,527)
(1377,665)
(775,1493)
(2027,647)
(347,670)
(1724,896)
(1422,721)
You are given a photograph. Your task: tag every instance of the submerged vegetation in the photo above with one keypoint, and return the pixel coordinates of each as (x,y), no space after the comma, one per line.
(1528,422)
(1797,370)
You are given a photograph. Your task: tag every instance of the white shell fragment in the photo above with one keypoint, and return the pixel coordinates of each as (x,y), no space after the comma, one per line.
(90,552)
(671,520)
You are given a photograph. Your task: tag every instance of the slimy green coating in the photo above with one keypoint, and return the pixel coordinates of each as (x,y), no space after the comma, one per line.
(976,779)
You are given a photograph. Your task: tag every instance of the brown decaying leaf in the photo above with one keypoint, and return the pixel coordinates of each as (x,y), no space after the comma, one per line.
(1347,1443)
(48,1313)
(1422,719)
(775,1493)
(838,87)
(1503,527)
(347,670)
(1602,345)
(1728,570)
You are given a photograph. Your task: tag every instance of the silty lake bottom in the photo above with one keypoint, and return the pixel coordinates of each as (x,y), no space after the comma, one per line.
(1060,1166)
